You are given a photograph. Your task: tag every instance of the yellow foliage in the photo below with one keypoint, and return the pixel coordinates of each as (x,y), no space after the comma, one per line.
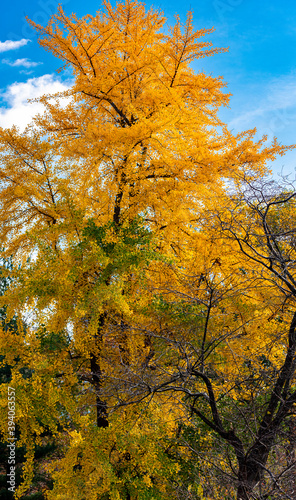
(104,205)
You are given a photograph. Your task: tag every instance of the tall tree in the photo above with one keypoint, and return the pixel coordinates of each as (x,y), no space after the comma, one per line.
(99,192)
(228,329)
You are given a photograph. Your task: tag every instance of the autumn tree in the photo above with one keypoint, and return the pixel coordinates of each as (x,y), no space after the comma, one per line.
(266,238)
(228,329)
(99,196)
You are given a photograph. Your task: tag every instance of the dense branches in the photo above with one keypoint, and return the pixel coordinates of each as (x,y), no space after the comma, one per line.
(143,291)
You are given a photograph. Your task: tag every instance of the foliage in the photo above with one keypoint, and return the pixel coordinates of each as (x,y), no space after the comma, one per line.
(157,301)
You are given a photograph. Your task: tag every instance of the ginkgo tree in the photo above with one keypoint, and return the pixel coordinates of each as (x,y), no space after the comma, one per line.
(100,195)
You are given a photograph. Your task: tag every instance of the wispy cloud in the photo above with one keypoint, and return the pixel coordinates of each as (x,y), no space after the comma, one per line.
(18,111)
(273,110)
(12,45)
(26,63)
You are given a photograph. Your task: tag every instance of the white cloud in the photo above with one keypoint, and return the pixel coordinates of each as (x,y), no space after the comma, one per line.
(12,45)
(26,63)
(18,110)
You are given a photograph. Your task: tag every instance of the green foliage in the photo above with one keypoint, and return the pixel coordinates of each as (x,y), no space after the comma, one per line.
(34,496)
(52,341)
(123,248)
(178,312)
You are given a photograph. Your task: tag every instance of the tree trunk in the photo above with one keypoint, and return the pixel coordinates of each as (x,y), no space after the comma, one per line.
(101,406)
(250,473)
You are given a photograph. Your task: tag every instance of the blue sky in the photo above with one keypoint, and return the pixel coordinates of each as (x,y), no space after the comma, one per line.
(260,67)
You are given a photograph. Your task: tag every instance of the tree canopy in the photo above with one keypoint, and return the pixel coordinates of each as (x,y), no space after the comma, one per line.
(153,275)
